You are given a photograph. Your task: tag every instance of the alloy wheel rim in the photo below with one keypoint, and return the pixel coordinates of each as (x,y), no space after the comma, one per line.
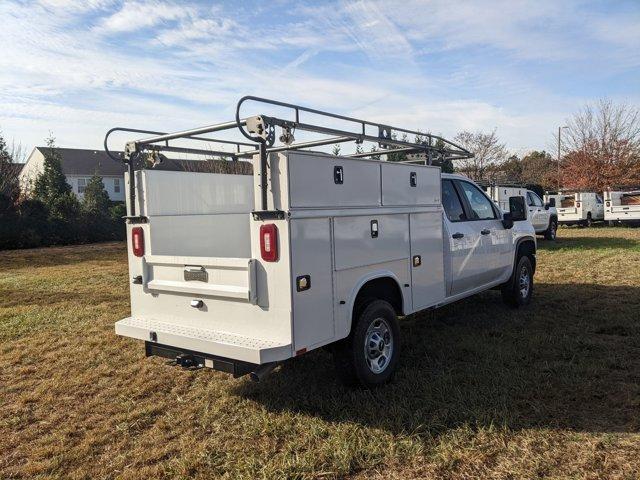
(378,345)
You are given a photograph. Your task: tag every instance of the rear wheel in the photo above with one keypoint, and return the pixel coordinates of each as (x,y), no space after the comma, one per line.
(589,221)
(369,356)
(552,230)
(518,290)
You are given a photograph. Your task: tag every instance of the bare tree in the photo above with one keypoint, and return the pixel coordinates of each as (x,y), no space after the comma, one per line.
(601,147)
(488,153)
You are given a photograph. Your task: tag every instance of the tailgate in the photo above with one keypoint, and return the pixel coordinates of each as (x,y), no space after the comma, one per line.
(233,278)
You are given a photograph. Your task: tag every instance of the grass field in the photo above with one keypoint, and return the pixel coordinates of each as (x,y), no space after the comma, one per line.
(550,391)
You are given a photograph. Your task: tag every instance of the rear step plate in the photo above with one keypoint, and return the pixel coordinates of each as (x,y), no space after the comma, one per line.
(228,345)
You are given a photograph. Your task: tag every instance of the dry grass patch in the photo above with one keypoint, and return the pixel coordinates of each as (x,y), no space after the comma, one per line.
(483,391)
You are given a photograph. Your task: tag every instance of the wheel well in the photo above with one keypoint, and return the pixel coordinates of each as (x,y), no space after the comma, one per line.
(528,248)
(383,288)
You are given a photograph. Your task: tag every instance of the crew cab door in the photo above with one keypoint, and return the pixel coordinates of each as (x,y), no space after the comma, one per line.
(599,209)
(473,259)
(539,216)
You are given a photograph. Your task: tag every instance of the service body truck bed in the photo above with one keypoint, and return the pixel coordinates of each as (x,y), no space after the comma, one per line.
(240,272)
(622,206)
(577,207)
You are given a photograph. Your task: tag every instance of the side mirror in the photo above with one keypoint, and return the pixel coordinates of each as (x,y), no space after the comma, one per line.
(547,206)
(507,221)
(517,209)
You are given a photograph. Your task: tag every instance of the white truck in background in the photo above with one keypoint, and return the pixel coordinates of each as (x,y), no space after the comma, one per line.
(543,216)
(622,206)
(238,273)
(577,208)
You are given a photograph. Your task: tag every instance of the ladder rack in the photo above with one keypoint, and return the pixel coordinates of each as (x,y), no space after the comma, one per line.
(260,131)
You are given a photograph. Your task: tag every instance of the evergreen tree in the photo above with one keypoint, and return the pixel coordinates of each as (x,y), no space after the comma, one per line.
(96,199)
(445,164)
(5,157)
(51,183)
(398,156)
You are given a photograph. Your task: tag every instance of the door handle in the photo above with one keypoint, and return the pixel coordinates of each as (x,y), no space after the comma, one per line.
(457,235)
(486,231)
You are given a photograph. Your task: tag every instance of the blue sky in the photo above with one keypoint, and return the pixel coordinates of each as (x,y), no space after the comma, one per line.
(77,68)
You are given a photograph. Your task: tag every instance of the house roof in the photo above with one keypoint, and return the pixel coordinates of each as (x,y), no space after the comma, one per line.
(82,162)
(78,161)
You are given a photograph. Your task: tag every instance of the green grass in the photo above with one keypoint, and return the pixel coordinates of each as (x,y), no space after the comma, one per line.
(550,391)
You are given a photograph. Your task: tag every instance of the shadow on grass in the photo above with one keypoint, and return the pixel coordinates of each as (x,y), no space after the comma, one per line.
(569,360)
(588,243)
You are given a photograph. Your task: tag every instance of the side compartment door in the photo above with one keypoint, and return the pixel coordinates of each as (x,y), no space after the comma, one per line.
(427,260)
(311,282)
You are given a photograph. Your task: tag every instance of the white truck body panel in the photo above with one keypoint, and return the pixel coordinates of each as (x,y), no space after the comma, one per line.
(346,221)
(616,209)
(577,207)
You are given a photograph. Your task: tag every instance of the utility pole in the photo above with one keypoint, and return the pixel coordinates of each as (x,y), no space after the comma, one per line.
(559,134)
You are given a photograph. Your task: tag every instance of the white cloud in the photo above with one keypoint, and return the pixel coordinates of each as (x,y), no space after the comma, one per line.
(136,15)
(78,68)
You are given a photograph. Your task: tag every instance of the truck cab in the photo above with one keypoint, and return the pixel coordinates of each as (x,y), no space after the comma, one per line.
(242,272)
(542,216)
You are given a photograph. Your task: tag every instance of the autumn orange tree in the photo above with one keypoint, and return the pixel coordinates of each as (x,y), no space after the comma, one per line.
(601,147)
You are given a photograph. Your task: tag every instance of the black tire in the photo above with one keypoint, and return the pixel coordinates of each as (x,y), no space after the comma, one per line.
(589,222)
(552,230)
(355,357)
(611,223)
(513,292)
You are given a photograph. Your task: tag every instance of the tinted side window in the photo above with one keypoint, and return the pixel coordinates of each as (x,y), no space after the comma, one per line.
(451,202)
(481,206)
(535,199)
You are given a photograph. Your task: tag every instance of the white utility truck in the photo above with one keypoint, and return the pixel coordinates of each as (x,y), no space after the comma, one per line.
(239,272)
(543,216)
(577,208)
(622,206)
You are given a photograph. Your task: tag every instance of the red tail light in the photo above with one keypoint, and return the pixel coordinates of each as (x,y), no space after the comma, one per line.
(269,242)
(608,204)
(578,204)
(137,241)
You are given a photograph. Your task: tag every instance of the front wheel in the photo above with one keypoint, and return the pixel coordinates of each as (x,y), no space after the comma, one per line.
(518,290)
(552,230)
(369,356)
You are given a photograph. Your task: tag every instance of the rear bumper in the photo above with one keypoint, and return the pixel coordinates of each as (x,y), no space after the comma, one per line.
(207,342)
(189,358)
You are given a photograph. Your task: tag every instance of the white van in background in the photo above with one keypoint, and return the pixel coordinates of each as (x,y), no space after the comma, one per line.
(622,206)
(543,216)
(581,208)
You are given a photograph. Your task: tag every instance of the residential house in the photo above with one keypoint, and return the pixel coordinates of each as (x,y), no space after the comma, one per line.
(79,165)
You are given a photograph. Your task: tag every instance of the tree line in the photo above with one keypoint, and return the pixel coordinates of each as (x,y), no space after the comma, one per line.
(599,150)
(48,212)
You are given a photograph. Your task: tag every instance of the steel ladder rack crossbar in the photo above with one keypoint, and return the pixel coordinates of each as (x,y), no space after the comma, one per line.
(263,135)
